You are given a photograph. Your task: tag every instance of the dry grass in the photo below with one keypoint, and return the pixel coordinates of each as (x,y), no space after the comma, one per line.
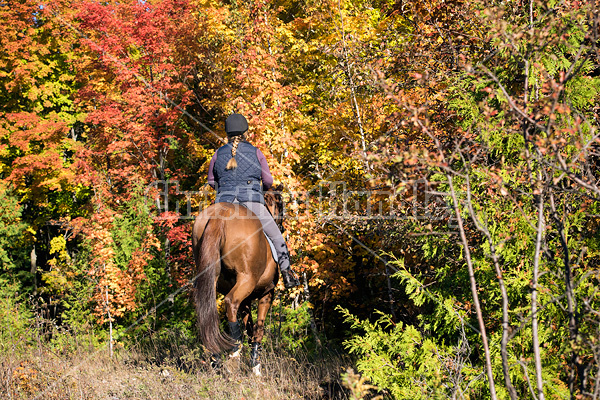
(169,368)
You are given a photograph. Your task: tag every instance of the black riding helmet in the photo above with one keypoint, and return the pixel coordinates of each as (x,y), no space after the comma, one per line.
(236,125)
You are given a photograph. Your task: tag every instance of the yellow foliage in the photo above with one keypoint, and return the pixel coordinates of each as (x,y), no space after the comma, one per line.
(58,278)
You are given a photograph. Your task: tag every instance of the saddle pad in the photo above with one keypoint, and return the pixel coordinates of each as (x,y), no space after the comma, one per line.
(272,248)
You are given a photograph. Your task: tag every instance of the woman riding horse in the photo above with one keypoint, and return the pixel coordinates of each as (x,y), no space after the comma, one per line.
(232,255)
(239,172)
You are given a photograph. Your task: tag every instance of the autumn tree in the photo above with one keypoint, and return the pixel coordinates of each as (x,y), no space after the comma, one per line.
(40,128)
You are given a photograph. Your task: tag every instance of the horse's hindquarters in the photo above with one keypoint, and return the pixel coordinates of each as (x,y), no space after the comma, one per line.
(232,255)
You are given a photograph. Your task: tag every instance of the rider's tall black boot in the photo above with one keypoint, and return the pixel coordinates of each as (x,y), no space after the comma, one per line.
(289,278)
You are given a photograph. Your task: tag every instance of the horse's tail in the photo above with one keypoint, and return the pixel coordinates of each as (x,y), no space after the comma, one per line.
(208,259)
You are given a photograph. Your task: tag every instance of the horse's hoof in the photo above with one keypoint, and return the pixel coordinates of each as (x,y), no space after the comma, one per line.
(216,363)
(236,350)
(256,370)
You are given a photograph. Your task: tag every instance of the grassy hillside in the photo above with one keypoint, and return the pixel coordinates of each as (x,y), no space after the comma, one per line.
(161,370)
(40,360)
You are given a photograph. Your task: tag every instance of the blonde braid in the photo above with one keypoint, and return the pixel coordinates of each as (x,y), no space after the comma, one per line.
(232,164)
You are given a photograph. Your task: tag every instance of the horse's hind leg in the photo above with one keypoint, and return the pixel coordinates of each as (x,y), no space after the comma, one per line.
(233,300)
(259,331)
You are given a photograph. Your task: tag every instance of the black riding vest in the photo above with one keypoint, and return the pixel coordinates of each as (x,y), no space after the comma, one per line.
(243,183)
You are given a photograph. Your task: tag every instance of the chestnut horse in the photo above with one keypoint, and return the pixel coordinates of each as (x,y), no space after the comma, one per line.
(234,258)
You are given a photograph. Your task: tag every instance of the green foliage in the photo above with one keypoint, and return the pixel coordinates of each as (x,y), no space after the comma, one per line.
(399,358)
(12,229)
(293,332)
(130,228)
(16,319)
(76,298)
(583,91)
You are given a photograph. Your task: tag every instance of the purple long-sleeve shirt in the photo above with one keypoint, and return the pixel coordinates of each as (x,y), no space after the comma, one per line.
(267,178)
